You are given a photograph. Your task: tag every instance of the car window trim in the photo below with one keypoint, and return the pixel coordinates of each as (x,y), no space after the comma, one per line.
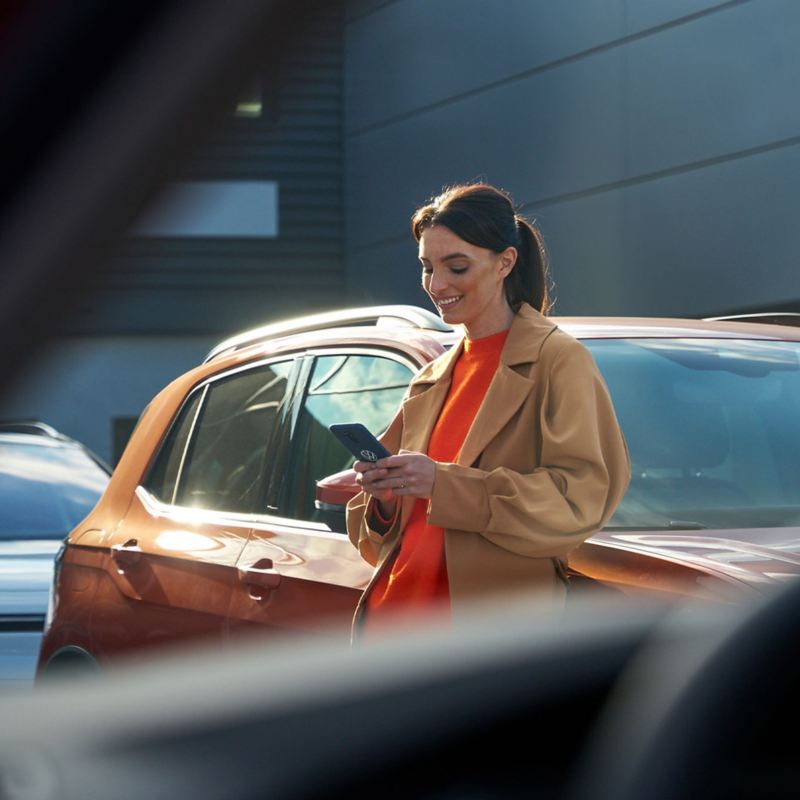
(157,507)
(275,484)
(278,433)
(189,437)
(370,350)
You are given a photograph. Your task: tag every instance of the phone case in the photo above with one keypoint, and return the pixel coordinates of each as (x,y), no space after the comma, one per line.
(359,441)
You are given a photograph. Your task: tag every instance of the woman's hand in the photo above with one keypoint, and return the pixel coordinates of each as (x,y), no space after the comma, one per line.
(404,474)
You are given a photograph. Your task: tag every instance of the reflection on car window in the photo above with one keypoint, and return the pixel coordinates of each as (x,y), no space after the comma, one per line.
(46,490)
(712,427)
(224,461)
(342,388)
(163,476)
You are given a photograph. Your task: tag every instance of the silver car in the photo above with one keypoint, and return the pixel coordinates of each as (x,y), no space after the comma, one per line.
(48,484)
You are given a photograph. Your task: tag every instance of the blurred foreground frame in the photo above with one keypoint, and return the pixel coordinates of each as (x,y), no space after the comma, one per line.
(498,708)
(100,103)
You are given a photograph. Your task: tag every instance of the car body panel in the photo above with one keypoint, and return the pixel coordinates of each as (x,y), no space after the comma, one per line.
(653,327)
(751,559)
(26,574)
(163,562)
(320,577)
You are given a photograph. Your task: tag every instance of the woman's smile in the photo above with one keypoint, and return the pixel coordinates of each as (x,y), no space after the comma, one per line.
(445,303)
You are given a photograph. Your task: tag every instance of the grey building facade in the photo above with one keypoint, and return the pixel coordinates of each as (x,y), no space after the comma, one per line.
(657,144)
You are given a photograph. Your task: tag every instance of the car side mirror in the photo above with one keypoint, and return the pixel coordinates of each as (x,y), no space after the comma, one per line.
(331,496)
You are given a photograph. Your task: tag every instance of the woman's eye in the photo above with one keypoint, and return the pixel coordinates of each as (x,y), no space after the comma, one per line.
(458,270)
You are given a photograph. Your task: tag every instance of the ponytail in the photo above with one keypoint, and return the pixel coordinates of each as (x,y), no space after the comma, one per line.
(528,281)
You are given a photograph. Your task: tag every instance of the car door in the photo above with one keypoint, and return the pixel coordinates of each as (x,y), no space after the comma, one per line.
(299,570)
(172,566)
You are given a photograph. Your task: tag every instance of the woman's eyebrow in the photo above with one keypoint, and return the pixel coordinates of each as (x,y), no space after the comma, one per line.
(449,257)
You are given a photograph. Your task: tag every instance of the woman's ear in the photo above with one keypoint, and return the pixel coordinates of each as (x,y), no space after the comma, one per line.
(508,258)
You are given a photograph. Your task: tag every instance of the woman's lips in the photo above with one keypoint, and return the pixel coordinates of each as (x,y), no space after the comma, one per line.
(448,302)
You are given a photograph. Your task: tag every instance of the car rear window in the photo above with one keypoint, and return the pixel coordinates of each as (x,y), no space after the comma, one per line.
(46,489)
(713,430)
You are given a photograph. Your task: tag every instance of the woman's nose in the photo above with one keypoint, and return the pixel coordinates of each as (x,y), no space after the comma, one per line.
(437,284)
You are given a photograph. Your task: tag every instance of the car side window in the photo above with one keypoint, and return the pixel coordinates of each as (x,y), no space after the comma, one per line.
(342,388)
(224,462)
(213,458)
(162,478)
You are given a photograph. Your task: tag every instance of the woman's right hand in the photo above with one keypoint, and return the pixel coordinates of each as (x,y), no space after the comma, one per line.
(367,474)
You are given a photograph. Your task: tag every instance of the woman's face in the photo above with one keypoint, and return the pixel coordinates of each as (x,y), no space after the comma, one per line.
(465,282)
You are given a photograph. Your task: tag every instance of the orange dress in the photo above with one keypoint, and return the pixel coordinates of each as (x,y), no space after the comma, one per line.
(417,577)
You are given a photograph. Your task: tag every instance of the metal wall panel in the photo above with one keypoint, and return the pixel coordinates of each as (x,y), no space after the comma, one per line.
(722,239)
(698,243)
(635,121)
(406,56)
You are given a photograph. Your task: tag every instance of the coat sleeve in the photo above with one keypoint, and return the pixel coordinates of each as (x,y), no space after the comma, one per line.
(585,469)
(366,539)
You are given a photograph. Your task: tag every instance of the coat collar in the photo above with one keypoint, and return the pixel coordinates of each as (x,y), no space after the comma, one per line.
(507,392)
(528,331)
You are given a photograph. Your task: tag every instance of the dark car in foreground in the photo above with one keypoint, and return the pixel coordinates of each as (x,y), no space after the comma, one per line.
(225,514)
(611,701)
(48,484)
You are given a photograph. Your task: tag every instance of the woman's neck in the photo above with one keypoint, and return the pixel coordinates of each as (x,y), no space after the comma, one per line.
(480,329)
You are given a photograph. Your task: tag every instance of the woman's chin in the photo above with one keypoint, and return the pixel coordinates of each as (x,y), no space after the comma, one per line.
(450,315)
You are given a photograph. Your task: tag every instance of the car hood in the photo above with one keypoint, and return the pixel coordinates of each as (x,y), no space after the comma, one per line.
(753,555)
(26,572)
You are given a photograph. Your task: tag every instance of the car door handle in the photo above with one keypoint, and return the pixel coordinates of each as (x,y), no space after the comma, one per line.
(127,554)
(262,573)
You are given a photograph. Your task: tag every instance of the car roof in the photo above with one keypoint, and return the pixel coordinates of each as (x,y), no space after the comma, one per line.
(36,441)
(426,342)
(40,434)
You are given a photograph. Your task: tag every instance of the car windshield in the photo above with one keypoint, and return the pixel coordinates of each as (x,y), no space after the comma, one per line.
(45,490)
(712,427)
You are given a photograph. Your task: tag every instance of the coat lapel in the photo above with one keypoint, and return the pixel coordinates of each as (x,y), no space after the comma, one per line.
(506,393)
(428,392)
(420,413)
(510,386)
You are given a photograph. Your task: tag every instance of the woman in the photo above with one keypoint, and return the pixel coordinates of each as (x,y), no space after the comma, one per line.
(508,450)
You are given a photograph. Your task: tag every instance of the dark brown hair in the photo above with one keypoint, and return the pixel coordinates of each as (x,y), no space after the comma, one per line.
(484,216)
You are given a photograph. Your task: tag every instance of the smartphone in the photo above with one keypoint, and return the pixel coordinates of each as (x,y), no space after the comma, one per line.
(359,441)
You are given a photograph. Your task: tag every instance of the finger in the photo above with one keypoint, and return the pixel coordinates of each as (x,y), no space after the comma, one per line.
(393,482)
(392,462)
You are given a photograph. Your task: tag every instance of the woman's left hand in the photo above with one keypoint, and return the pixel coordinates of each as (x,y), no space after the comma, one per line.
(407,473)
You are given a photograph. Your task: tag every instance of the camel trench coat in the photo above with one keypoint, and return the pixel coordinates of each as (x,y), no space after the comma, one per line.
(543,467)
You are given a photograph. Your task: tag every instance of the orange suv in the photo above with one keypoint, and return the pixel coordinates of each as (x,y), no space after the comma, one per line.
(226,511)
